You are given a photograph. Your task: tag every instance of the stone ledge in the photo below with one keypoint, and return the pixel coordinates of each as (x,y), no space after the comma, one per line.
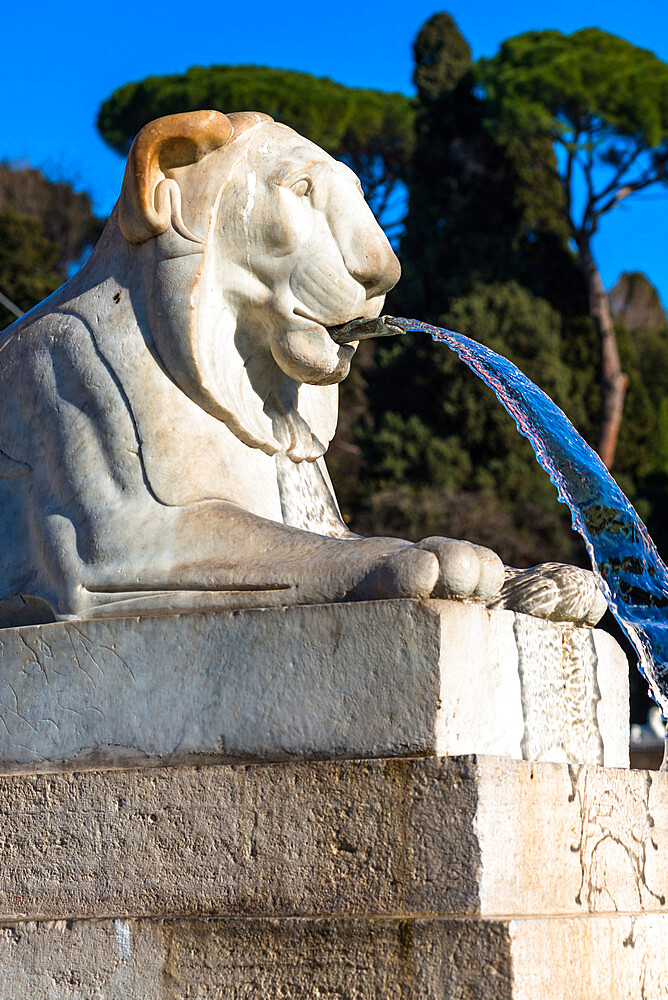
(401,837)
(615,957)
(377,679)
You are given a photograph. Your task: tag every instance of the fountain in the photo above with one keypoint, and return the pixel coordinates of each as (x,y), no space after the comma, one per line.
(416,778)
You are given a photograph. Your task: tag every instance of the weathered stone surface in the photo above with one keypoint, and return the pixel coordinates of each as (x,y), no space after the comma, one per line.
(612,957)
(615,957)
(576,839)
(249,959)
(380,678)
(401,837)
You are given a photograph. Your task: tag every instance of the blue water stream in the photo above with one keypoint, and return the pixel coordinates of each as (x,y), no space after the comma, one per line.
(624,558)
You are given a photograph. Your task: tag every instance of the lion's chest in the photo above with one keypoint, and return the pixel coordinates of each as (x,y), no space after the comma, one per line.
(190,456)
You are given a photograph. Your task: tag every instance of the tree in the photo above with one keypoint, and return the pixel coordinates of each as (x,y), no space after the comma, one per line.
(28,263)
(635,302)
(442,57)
(470,217)
(65,216)
(486,254)
(603,105)
(370,130)
(46,227)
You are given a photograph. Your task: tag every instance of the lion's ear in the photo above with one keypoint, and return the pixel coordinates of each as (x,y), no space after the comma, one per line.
(243,120)
(173,141)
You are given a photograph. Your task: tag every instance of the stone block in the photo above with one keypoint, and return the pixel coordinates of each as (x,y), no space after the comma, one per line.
(374,679)
(412,836)
(612,957)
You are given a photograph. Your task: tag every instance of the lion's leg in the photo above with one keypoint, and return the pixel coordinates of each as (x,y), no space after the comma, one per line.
(213,554)
(218,547)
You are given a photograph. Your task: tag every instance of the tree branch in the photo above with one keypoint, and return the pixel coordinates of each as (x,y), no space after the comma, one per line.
(630,160)
(588,167)
(628,189)
(567,185)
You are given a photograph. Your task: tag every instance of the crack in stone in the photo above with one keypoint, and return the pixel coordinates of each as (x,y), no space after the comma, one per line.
(622,820)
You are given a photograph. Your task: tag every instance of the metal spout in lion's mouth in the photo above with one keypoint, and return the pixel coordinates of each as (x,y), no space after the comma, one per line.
(365,329)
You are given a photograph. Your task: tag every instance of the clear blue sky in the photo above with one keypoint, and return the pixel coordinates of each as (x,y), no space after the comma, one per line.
(59,61)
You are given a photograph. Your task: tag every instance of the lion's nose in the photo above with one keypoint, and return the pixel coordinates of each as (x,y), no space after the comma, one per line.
(374,264)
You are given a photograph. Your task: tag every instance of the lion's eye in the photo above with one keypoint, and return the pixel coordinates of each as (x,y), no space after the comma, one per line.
(302,187)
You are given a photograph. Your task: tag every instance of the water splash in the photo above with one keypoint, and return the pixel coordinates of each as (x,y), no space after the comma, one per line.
(626,562)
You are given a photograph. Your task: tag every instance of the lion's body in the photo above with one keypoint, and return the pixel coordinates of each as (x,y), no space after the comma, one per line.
(165,413)
(104,427)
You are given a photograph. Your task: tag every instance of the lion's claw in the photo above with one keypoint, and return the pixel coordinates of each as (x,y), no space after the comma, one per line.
(450,569)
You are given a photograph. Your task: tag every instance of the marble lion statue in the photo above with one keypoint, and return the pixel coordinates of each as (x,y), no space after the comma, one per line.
(165,414)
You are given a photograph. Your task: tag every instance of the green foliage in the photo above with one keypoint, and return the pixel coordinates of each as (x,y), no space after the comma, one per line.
(486,250)
(660,442)
(65,216)
(28,263)
(600,99)
(590,80)
(486,253)
(471,217)
(371,130)
(443,438)
(424,379)
(602,103)
(442,57)
(45,229)
(643,444)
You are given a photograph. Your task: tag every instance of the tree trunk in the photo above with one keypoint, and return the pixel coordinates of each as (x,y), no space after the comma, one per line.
(613,380)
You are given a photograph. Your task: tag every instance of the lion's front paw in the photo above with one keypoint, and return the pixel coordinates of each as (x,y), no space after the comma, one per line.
(465,570)
(434,567)
(553,591)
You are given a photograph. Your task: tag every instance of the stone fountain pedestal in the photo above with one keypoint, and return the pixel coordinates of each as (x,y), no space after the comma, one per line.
(399,799)
(373,679)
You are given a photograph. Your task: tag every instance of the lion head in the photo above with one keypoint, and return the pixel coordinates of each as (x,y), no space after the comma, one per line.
(256,242)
